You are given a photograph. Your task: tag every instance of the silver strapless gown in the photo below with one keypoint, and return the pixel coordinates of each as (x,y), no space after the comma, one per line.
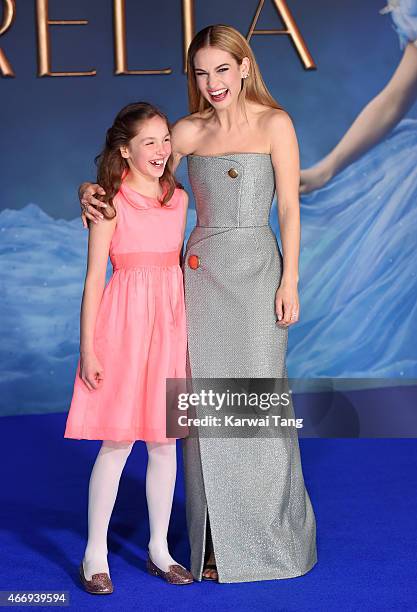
(262,522)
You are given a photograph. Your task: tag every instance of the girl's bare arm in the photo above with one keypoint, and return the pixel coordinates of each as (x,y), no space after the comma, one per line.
(99,239)
(184,225)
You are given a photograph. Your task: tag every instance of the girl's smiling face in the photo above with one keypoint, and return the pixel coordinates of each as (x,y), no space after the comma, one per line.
(219,76)
(148,152)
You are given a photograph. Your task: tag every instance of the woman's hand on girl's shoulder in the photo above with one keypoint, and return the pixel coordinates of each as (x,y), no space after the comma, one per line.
(89,204)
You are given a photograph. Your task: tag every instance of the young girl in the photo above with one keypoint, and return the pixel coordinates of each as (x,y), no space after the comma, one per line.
(133,334)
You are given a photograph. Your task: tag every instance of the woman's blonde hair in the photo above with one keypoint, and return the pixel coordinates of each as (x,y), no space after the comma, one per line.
(227,39)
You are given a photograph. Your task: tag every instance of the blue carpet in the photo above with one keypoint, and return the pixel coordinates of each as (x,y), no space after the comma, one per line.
(363,492)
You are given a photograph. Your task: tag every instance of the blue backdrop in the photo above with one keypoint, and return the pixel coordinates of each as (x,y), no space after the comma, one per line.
(357,281)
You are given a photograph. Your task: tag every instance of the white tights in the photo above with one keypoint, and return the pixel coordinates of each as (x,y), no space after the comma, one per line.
(104,484)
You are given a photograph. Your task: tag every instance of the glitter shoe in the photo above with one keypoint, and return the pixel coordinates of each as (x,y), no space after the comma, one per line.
(175,575)
(100,584)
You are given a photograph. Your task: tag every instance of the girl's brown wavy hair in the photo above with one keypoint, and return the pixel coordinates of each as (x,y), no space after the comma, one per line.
(110,163)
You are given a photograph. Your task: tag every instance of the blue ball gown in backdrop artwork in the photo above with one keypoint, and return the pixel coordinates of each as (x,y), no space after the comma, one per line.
(358,261)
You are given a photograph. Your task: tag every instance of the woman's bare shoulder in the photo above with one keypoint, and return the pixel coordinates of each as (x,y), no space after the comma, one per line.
(282,135)
(186,133)
(273,118)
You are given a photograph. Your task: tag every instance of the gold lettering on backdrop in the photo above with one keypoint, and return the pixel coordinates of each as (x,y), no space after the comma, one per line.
(120,47)
(291,30)
(188,27)
(9,13)
(44,43)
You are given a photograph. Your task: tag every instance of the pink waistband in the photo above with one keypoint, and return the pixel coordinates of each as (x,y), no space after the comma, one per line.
(136,260)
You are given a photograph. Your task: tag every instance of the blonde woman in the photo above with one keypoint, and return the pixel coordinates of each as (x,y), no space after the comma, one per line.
(249,514)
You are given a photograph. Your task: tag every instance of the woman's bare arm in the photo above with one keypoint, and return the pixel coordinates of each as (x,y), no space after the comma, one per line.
(285,159)
(184,137)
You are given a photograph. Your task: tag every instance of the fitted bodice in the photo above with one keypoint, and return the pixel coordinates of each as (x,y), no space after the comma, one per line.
(143,225)
(234,190)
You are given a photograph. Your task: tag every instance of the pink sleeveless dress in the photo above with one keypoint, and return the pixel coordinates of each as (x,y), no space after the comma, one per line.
(140,333)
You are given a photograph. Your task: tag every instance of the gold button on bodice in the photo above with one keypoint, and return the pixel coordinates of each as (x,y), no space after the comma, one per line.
(233,173)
